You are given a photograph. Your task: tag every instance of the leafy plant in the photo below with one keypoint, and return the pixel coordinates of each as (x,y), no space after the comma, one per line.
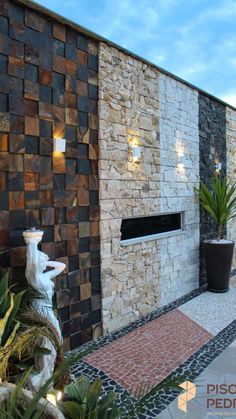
(15,405)
(18,407)
(20,333)
(9,306)
(83,400)
(219,201)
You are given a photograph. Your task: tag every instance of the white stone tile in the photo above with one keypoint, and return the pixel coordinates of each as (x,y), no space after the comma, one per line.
(211,310)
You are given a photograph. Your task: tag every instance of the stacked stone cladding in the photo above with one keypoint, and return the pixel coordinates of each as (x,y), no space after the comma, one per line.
(135,99)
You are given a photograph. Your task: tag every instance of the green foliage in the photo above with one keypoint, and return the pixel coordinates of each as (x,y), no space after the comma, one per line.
(18,408)
(19,333)
(15,406)
(9,306)
(219,201)
(83,400)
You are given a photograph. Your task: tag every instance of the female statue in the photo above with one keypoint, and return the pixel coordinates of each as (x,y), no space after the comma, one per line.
(41,280)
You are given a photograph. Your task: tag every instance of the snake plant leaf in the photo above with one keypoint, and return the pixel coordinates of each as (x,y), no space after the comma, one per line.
(3,321)
(16,304)
(4,297)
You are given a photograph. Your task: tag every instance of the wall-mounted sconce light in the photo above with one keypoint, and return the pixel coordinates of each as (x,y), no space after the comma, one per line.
(181,159)
(218,166)
(180,147)
(59,145)
(134,145)
(135,153)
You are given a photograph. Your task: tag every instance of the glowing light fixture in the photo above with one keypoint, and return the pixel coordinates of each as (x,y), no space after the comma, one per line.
(59,145)
(218,166)
(136,153)
(134,145)
(54,397)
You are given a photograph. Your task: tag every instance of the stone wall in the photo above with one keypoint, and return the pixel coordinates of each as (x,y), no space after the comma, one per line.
(231,166)
(48,89)
(128,92)
(179,171)
(212,144)
(136,101)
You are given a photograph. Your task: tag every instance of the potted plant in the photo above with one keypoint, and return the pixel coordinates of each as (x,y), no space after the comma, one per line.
(220,202)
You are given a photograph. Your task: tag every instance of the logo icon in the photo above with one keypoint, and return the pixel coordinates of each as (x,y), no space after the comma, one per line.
(189,394)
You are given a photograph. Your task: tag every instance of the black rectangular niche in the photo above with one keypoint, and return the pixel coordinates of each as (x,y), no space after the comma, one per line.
(132,228)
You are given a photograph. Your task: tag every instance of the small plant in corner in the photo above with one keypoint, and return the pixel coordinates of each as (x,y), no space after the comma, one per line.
(83,400)
(219,201)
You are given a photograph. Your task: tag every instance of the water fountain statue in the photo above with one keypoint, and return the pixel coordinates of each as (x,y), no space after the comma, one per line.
(41,280)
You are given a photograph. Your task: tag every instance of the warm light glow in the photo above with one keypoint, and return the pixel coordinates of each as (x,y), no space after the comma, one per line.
(136,153)
(218,166)
(59,145)
(134,146)
(179,148)
(59,396)
(180,168)
(58,154)
(52,399)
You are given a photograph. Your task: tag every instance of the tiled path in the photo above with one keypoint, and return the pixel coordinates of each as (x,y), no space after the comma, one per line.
(221,371)
(176,342)
(211,310)
(143,358)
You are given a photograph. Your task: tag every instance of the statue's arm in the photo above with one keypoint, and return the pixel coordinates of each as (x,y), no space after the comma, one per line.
(58,267)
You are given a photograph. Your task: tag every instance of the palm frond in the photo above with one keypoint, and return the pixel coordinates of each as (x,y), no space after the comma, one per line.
(24,344)
(219,200)
(32,318)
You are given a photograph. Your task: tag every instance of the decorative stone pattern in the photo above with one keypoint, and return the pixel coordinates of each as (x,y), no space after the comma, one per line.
(212,145)
(165,392)
(91,346)
(212,322)
(124,400)
(231,166)
(144,357)
(48,89)
(221,370)
(179,171)
(130,106)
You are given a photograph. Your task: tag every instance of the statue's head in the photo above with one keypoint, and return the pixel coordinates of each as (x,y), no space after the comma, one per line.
(42,261)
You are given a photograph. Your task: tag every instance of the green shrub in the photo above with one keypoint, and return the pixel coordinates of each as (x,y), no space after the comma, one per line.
(83,400)
(219,201)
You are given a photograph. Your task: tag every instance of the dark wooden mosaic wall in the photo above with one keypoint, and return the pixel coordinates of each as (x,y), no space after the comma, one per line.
(48,89)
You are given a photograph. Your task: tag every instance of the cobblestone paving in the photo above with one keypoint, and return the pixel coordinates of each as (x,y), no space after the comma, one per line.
(147,355)
(218,338)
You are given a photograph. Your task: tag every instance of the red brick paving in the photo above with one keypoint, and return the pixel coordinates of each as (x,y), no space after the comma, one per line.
(141,359)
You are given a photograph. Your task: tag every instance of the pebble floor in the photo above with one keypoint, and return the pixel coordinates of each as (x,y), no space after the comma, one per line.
(144,357)
(175,342)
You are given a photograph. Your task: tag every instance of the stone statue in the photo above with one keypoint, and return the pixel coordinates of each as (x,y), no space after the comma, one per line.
(37,263)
